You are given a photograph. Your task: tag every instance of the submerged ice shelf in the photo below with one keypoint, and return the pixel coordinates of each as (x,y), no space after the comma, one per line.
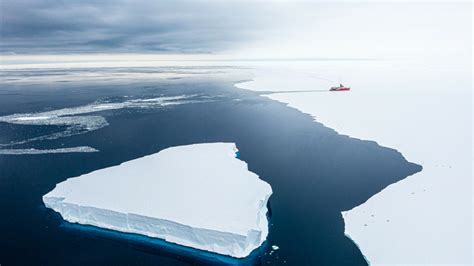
(199,196)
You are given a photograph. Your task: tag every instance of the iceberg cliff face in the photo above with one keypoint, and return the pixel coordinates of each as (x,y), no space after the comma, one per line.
(199,196)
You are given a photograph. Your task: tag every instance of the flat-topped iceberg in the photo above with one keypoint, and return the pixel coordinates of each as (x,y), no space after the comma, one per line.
(199,196)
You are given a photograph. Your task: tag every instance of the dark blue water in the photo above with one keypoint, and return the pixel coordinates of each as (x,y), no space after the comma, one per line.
(314,172)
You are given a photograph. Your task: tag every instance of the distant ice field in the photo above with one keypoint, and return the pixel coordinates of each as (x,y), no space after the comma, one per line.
(422,109)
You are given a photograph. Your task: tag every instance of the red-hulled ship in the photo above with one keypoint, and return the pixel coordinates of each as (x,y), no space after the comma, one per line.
(340,88)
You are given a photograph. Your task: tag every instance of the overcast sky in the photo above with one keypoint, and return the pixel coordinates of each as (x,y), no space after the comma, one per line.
(128,26)
(249,29)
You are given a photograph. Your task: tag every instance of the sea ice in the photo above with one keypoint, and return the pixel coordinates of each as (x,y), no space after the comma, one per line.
(46,151)
(424,112)
(199,196)
(82,119)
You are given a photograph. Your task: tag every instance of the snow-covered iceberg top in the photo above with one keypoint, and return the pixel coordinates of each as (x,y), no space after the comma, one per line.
(199,196)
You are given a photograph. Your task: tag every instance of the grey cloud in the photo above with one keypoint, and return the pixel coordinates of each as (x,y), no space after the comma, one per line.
(54,26)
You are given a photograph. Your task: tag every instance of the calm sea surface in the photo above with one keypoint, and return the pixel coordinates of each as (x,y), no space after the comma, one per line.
(315,173)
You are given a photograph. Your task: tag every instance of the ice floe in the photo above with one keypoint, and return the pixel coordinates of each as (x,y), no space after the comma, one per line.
(103,72)
(82,119)
(46,151)
(199,196)
(423,111)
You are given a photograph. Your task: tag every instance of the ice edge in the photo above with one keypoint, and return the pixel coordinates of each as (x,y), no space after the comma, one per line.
(245,245)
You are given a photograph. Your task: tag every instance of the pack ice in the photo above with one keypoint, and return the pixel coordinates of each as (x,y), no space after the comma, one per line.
(199,196)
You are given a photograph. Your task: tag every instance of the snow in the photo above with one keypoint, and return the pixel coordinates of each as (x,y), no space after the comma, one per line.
(422,110)
(199,196)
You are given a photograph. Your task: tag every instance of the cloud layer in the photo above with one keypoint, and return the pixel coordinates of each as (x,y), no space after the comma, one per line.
(126,26)
(245,29)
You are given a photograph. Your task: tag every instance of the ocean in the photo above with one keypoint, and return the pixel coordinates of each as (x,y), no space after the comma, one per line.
(315,172)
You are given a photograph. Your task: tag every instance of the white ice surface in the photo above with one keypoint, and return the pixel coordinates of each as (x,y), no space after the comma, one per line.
(107,72)
(199,196)
(31,118)
(423,111)
(46,151)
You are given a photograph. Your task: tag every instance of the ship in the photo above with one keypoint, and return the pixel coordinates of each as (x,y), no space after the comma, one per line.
(340,88)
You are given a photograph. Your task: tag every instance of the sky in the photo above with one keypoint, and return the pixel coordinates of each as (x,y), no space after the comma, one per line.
(240,29)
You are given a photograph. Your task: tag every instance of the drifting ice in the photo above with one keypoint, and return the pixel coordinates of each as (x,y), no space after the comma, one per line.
(199,196)
(46,151)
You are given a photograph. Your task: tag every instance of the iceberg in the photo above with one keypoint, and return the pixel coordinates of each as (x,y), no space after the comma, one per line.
(199,195)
